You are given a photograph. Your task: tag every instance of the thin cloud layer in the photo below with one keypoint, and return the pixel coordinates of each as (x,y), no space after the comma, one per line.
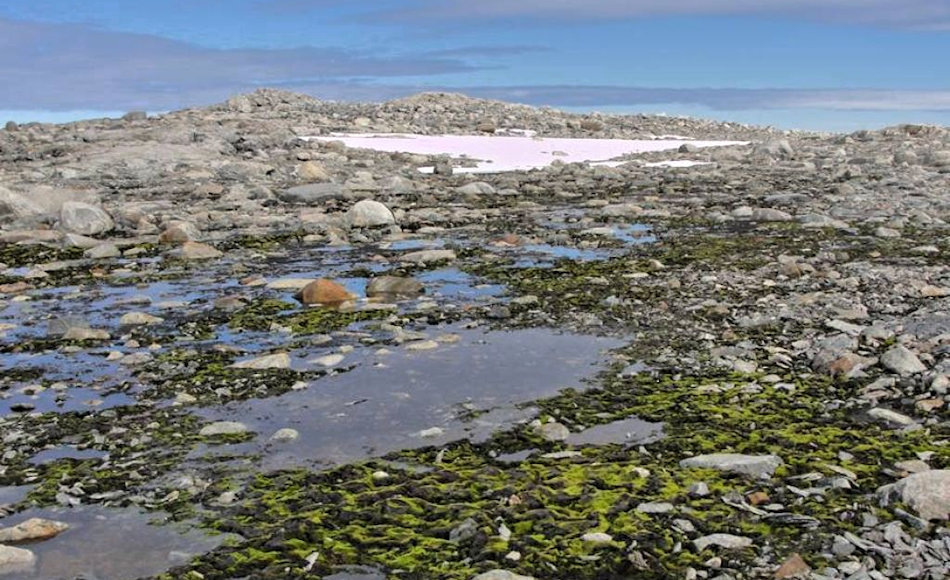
(70,66)
(921,14)
(721,99)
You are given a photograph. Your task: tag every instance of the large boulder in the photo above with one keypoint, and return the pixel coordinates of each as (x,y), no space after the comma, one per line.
(369,214)
(927,493)
(84,218)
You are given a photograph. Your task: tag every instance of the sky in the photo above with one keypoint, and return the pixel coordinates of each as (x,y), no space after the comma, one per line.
(833,65)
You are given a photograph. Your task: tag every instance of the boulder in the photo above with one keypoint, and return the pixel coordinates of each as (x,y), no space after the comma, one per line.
(368,214)
(927,493)
(84,218)
(325,292)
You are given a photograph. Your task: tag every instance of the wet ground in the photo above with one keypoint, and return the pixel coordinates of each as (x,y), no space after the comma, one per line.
(433,384)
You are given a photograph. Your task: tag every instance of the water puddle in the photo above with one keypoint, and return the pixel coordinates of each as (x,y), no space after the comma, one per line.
(111,544)
(413,398)
(630,431)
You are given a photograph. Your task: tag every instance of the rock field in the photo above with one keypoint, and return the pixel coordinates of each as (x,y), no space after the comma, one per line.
(342,367)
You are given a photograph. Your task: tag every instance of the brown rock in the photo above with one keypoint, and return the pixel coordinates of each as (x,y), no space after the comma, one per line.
(929,405)
(759,498)
(14,288)
(794,567)
(323,291)
(198,251)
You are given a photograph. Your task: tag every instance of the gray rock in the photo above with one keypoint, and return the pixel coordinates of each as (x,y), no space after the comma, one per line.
(32,530)
(83,218)
(428,256)
(597,538)
(102,251)
(476,188)
(311,193)
(280,360)
(368,214)
(891,417)
(902,361)
(727,541)
(285,435)
(464,531)
(754,465)
(655,508)
(386,286)
(764,214)
(927,493)
(16,560)
(554,431)
(223,428)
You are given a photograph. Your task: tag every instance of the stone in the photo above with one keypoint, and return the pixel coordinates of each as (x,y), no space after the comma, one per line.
(655,507)
(899,359)
(429,256)
(389,286)
(727,541)
(280,360)
(554,431)
(597,538)
(311,171)
(501,575)
(102,252)
(323,292)
(476,188)
(927,493)
(770,215)
(422,345)
(311,193)
(84,218)
(285,435)
(754,465)
(369,214)
(179,232)
(139,319)
(16,560)
(330,360)
(32,530)
(198,251)
(891,417)
(82,333)
(223,428)
(793,567)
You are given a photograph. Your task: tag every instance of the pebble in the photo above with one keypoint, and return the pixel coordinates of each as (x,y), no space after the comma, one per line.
(284,435)
(727,541)
(280,360)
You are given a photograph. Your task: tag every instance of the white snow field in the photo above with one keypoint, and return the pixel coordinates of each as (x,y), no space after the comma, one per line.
(496,154)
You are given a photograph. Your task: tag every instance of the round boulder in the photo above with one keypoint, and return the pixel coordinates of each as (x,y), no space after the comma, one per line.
(369,214)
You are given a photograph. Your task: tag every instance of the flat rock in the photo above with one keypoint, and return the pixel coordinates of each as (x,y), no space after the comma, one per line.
(16,560)
(280,360)
(597,538)
(386,286)
(429,256)
(32,530)
(927,493)
(223,428)
(754,465)
(102,251)
(139,319)
(727,541)
(899,359)
(198,251)
(311,193)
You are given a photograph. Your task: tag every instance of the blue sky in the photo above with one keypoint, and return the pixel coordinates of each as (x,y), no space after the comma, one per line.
(792,63)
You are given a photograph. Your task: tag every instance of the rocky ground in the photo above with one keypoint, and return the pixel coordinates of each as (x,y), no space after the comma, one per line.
(773,403)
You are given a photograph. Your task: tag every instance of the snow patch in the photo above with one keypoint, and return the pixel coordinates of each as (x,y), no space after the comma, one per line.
(497,154)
